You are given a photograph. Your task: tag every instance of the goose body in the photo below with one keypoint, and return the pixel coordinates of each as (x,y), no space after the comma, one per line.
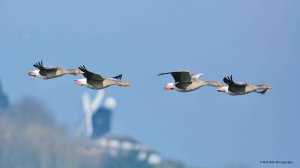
(51,72)
(186,82)
(234,88)
(96,81)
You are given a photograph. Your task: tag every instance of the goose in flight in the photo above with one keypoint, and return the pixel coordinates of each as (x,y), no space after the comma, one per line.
(51,72)
(234,88)
(186,82)
(96,81)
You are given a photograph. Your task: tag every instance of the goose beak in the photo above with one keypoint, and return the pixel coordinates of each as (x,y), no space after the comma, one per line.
(269,87)
(168,88)
(78,83)
(31,74)
(220,90)
(221,84)
(127,84)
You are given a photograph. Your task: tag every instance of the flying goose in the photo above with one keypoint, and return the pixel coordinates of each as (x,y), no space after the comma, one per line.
(234,88)
(51,72)
(96,81)
(186,82)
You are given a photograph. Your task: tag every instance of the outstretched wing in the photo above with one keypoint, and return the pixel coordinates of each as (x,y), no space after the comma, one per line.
(234,87)
(180,76)
(90,75)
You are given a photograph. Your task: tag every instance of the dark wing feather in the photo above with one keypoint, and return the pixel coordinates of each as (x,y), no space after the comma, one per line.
(95,82)
(182,85)
(234,87)
(118,77)
(39,65)
(90,75)
(180,76)
(49,72)
(261,92)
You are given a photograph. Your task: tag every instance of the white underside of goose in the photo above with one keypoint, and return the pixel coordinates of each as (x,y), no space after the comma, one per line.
(171,86)
(225,90)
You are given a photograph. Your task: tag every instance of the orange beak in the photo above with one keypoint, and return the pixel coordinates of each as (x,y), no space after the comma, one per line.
(127,84)
(220,90)
(31,74)
(168,88)
(78,83)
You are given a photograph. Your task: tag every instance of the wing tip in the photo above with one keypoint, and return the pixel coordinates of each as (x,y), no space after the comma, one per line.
(39,64)
(164,73)
(82,67)
(118,77)
(228,79)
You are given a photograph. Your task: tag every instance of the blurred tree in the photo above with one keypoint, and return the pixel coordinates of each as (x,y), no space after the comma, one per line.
(4,103)
(30,110)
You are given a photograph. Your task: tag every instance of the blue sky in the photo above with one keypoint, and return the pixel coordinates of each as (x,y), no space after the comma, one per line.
(255,41)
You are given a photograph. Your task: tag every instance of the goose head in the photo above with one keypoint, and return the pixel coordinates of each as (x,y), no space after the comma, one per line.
(169,86)
(125,84)
(34,73)
(80,82)
(223,89)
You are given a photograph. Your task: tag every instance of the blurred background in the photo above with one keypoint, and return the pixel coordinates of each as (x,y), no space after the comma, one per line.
(44,123)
